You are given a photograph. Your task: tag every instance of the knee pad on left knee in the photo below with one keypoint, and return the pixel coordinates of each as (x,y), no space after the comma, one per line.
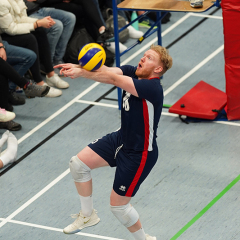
(79,170)
(126,214)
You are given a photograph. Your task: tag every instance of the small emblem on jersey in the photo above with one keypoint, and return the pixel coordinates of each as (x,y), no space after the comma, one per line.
(95,141)
(123,188)
(125,101)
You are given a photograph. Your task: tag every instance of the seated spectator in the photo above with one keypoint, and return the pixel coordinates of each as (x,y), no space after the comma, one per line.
(31,90)
(10,155)
(20,32)
(133,33)
(89,17)
(60,26)
(21,60)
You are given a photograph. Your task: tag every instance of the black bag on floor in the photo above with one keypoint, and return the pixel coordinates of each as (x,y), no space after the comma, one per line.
(80,38)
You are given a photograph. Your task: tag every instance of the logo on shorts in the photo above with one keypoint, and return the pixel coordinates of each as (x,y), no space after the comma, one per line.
(123,188)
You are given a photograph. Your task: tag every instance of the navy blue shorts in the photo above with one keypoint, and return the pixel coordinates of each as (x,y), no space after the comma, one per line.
(132,167)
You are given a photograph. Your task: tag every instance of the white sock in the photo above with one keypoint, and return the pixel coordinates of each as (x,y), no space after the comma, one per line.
(11,153)
(86,205)
(139,235)
(3,139)
(133,33)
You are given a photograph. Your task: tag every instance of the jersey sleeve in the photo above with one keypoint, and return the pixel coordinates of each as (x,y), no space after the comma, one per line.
(129,71)
(150,90)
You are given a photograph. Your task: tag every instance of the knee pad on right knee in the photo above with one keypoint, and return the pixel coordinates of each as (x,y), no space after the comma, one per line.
(79,170)
(126,214)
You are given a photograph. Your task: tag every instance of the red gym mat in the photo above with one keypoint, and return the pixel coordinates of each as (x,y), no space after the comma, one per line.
(200,102)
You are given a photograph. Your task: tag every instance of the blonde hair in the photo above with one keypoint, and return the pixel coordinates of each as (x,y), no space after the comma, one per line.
(165,58)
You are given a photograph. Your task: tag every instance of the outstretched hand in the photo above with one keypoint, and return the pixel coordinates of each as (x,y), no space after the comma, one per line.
(70,70)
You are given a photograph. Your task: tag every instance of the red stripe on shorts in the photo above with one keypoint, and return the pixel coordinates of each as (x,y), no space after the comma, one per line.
(144,153)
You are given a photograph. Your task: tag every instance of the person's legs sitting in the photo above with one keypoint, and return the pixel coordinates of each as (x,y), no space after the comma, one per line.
(21,59)
(52,79)
(60,33)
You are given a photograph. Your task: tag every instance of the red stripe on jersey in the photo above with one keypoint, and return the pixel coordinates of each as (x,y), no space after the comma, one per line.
(144,153)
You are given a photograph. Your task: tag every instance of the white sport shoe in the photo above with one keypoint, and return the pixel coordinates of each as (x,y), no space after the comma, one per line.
(6,116)
(111,47)
(53,92)
(196,3)
(56,81)
(133,33)
(81,222)
(150,238)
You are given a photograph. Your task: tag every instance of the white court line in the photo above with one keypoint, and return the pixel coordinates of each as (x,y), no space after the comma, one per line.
(98,104)
(58,112)
(206,16)
(207,59)
(35,197)
(163,113)
(156,38)
(59,229)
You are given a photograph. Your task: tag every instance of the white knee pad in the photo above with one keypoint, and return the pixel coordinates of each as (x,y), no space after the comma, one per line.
(79,170)
(126,214)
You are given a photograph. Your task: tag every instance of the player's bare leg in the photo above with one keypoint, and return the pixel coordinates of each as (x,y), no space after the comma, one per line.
(81,166)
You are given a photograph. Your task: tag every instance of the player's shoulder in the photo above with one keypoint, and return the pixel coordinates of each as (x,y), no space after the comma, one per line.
(129,70)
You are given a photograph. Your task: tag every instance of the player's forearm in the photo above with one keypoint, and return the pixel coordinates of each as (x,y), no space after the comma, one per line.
(103,77)
(116,70)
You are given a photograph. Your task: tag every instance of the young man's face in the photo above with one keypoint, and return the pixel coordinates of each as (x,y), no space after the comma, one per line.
(148,65)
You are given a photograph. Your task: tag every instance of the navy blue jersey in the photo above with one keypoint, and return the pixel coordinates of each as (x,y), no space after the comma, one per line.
(140,115)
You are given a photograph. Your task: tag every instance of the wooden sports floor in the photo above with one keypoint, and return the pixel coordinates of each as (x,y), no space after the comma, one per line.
(191,194)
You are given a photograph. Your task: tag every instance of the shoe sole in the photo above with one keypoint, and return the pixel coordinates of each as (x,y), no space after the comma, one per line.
(8,120)
(86,225)
(17,128)
(145,25)
(52,85)
(45,92)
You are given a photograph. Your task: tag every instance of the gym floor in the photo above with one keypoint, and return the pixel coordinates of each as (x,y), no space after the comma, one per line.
(192,192)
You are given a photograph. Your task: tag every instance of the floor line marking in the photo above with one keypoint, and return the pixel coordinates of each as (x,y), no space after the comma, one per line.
(204,210)
(58,112)
(156,38)
(35,197)
(220,122)
(187,75)
(206,16)
(98,104)
(163,113)
(60,230)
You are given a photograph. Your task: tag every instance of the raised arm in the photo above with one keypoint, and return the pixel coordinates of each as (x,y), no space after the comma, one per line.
(116,70)
(105,74)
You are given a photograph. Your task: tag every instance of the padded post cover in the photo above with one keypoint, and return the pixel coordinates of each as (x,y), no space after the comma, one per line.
(200,102)
(231,26)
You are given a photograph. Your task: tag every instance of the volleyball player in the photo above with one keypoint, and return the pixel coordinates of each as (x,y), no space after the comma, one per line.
(132,149)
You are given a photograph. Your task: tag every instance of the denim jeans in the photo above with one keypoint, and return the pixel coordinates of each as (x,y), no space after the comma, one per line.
(21,59)
(60,33)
